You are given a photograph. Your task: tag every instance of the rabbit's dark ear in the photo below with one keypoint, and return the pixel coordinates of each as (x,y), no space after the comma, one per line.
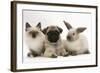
(60,29)
(27,25)
(67,25)
(81,29)
(39,25)
(45,30)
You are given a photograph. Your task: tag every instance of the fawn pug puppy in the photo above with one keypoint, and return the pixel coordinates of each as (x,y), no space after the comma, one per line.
(53,43)
(34,39)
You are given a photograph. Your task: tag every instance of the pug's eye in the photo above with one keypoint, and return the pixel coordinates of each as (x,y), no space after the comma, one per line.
(73,33)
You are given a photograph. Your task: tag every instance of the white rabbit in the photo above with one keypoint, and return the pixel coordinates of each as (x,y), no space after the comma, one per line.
(76,43)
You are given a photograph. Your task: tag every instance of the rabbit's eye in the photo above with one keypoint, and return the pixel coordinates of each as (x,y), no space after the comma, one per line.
(73,33)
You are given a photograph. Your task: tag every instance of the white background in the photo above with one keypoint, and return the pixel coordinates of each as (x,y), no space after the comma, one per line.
(5,37)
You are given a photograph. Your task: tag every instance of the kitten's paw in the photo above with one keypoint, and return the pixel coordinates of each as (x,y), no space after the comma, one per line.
(30,55)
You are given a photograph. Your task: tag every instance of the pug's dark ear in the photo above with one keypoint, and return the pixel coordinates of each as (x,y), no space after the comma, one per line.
(39,25)
(44,30)
(60,29)
(27,26)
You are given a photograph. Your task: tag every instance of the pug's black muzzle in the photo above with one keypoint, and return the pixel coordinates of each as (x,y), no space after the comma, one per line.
(53,36)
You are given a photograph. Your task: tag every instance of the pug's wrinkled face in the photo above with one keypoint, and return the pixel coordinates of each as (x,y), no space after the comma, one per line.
(52,33)
(33,31)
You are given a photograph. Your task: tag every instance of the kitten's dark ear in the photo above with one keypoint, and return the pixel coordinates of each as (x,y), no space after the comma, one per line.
(60,29)
(67,25)
(81,29)
(27,25)
(44,30)
(39,25)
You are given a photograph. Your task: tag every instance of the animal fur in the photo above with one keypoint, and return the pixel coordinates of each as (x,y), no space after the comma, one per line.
(34,39)
(75,43)
(53,43)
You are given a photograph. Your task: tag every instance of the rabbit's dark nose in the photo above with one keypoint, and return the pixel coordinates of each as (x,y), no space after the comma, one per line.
(69,37)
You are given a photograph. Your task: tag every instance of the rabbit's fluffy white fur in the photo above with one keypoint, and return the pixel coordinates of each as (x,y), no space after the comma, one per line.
(79,46)
(76,42)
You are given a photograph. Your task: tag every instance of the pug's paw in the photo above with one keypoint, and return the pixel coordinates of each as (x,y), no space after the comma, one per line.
(53,56)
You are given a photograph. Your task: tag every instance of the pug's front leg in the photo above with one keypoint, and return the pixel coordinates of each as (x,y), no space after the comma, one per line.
(50,53)
(62,52)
